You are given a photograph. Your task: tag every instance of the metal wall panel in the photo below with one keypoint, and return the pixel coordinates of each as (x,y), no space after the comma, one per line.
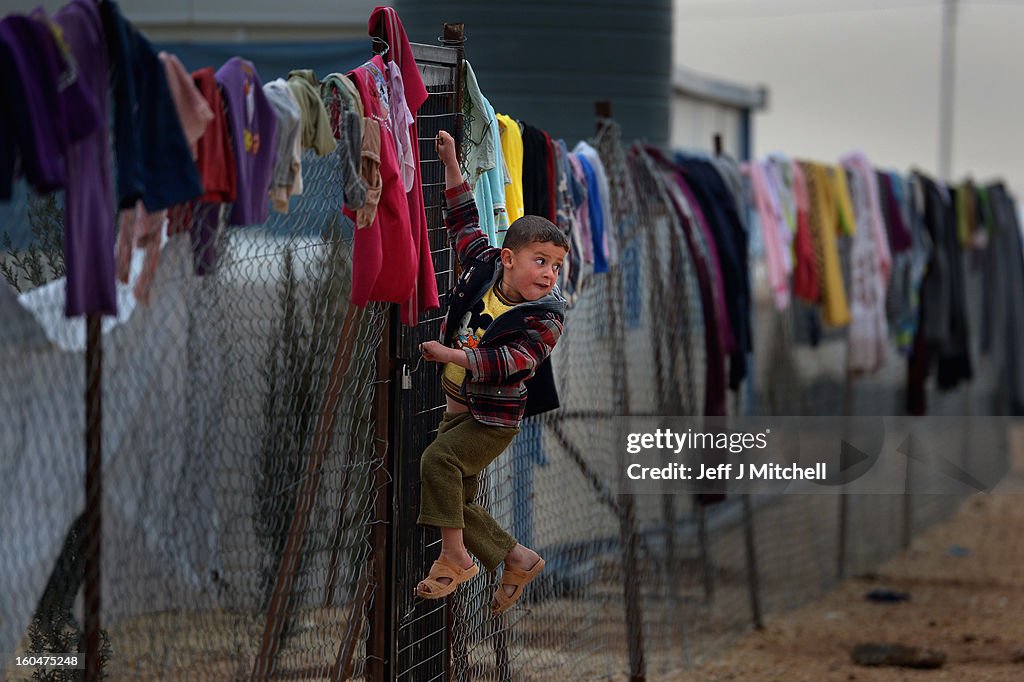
(548,62)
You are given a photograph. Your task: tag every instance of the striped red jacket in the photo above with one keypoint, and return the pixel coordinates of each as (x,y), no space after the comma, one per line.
(511,362)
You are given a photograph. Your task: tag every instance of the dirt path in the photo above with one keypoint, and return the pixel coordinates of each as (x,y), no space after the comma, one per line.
(966,583)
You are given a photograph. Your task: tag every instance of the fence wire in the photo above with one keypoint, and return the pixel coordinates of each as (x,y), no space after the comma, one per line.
(420,627)
(634,344)
(238,451)
(253,527)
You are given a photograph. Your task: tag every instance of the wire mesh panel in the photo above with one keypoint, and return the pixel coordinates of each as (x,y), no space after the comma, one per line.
(661,583)
(238,448)
(421,647)
(41,436)
(271,492)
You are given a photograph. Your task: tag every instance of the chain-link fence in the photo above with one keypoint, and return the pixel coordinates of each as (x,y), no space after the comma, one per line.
(260,454)
(639,586)
(241,463)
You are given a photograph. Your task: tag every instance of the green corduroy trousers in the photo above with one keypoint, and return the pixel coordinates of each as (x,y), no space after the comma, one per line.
(448,484)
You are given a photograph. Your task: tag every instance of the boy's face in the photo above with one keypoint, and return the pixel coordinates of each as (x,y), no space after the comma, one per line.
(531,270)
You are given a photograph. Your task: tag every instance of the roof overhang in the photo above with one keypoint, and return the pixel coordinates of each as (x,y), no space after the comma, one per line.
(698,86)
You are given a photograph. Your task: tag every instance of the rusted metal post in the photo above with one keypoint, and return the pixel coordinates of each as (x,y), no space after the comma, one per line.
(457,660)
(844,502)
(627,515)
(93,493)
(382,633)
(753,579)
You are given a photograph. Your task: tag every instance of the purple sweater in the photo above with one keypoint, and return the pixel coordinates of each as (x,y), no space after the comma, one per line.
(253,136)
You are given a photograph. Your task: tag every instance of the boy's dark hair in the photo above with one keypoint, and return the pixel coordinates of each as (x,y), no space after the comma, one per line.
(531,229)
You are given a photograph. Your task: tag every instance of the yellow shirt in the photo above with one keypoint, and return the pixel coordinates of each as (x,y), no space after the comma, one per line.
(512,148)
(824,222)
(471,329)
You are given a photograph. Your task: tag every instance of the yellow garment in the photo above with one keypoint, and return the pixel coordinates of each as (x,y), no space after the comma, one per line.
(824,221)
(512,148)
(844,204)
(471,330)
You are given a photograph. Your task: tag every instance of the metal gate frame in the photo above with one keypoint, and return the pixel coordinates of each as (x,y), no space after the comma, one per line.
(407,638)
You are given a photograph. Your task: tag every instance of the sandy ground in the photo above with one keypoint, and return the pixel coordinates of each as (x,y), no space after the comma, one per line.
(965,578)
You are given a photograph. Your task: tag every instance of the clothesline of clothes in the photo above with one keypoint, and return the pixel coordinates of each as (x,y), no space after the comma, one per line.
(193,151)
(221,146)
(902,235)
(515,169)
(910,240)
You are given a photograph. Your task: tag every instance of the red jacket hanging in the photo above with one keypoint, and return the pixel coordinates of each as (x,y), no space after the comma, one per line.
(384,22)
(383,253)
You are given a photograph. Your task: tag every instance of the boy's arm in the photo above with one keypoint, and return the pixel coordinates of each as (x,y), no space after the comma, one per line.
(518,360)
(461,217)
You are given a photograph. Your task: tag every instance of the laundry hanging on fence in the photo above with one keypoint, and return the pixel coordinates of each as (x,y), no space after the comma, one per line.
(52,122)
(870,265)
(696,245)
(908,240)
(384,21)
(214,158)
(538,172)
(346,116)
(516,169)
(942,335)
(285,178)
(88,211)
(374,277)
(512,149)
(570,196)
(202,158)
(1002,324)
(160,115)
(719,206)
(154,161)
(484,159)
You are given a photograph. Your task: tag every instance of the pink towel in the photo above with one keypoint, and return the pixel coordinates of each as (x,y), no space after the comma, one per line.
(193,111)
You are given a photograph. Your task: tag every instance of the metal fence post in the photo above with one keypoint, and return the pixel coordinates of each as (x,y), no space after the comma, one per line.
(93,493)
(753,579)
(382,635)
(627,514)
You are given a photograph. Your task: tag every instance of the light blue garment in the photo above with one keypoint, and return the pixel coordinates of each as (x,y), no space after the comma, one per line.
(490,190)
(483,160)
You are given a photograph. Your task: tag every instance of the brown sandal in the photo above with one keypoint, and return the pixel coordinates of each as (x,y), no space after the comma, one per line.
(517,577)
(442,568)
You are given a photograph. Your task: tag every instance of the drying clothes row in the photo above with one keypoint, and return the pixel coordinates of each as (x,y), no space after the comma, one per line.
(367,117)
(878,252)
(907,239)
(592,195)
(516,169)
(802,208)
(900,236)
(701,199)
(209,146)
